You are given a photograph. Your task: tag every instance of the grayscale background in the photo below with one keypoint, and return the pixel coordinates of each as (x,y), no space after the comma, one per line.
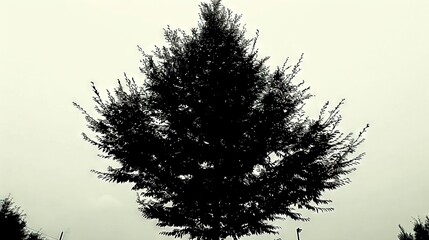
(374,53)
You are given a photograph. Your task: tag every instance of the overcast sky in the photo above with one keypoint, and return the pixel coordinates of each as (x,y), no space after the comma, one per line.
(374,53)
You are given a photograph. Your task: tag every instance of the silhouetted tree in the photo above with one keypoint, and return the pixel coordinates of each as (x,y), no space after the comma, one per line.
(215,143)
(13,224)
(11,220)
(421,231)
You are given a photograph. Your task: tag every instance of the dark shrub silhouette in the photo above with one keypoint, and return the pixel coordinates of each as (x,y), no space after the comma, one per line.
(13,224)
(421,231)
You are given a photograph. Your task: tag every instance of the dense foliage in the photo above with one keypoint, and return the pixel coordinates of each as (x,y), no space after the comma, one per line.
(215,143)
(421,231)
(13,224)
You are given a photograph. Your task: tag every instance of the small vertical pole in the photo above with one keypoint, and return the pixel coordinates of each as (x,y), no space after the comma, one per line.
(61,236)
(298,230)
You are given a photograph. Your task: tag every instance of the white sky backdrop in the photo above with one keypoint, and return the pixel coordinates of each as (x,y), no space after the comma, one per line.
(374,53)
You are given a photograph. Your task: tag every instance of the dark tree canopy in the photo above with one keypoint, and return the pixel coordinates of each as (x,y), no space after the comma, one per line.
(215,143)
(13,224)
(421,231)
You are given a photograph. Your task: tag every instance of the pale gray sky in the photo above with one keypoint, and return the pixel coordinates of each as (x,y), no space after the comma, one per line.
(374,53)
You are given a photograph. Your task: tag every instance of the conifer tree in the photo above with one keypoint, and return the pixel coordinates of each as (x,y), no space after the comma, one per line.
(13,224)
(215,143)
(421,231)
